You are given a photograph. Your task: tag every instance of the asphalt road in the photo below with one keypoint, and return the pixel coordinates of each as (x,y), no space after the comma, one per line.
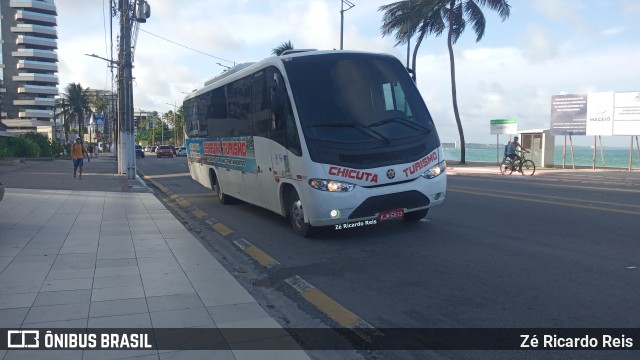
(502,252)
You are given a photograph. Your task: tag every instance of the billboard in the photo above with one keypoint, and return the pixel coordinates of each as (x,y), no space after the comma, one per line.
(626,113)
(569,114)
(599,113)
(503,126)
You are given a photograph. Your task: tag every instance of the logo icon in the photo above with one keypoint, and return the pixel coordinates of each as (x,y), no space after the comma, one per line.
(391,173)
(21,339)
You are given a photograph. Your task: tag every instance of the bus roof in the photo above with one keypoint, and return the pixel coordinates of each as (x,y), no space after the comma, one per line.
(241,70)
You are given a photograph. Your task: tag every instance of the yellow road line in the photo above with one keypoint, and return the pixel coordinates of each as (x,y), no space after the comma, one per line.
(174,196)
(521,194)
(524,198)
(327,305)
(161,187)
(199,213)
(184,203)
(222,229)
(260,256)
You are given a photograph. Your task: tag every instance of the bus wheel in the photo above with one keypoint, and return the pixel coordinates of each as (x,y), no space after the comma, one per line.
(222,198)
(296,215)
(415,215)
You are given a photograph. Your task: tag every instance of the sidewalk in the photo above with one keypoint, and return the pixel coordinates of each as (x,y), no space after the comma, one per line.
(620,176)
(103,252)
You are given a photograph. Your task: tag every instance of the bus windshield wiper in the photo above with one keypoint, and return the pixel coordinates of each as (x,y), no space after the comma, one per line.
(403,121)
(357,126)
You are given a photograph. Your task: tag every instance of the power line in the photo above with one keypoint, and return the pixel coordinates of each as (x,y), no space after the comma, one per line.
(186,47)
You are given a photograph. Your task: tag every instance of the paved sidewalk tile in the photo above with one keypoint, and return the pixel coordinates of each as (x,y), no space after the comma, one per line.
(174,302)
(116,281)
(117,293)
(140,320)
(62,297)
(118,307)
(12,317)
(19,287)
(184,318)
(57,312)
(13,301)
(67,284)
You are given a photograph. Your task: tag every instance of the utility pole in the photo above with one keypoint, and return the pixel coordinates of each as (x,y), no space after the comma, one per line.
(129,12)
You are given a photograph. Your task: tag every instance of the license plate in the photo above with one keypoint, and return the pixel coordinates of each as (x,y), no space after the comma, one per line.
(391,214)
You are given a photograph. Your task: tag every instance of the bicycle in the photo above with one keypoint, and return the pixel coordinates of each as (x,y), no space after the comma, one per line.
(522,165)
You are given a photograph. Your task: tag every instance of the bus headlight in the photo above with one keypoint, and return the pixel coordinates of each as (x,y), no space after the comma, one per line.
(435,170)
(331,185)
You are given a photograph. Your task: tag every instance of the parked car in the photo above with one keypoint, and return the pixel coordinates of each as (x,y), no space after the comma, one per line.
(164,150)
(139,151)
(147,148)
(173,149)
(182,151)
(153,149)
(1,191)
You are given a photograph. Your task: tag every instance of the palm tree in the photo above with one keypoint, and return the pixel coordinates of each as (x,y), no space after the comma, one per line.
(418,16)
(435,16)
(277,51)
(78,100)
(64,110)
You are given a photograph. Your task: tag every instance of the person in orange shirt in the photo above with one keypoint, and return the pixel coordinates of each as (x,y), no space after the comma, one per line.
(77,155)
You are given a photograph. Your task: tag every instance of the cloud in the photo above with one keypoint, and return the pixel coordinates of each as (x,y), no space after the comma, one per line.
(612,31)
(563,11)
(502,82)
(539,44)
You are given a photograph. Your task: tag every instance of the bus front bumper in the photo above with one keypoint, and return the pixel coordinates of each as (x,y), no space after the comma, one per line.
(366,204)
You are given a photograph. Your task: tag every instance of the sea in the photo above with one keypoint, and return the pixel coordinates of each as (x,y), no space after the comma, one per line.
(613,157)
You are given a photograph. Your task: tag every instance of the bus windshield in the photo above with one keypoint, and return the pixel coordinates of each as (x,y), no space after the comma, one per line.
(356,98)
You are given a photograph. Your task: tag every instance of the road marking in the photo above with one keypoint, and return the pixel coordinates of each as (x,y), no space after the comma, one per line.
(547,182)
(524,198)
(327,305)
(166,176)
(211,221)
(199,213)
(521,194)
(260,256)
(174,196)
(184,203)
(222,229)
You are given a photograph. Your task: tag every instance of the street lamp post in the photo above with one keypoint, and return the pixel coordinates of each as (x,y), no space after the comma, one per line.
(119,135)
(342,10)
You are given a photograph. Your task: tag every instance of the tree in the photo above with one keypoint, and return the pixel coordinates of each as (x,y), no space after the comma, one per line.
(78,100)
(277,51)
(405,18)
(437,15)
(63,112)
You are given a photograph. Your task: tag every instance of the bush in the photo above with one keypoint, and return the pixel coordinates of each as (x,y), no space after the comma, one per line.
(4,148)
(24,147)
(42,141)
(57,149)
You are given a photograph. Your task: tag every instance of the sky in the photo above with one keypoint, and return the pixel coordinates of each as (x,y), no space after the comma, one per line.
(544,48)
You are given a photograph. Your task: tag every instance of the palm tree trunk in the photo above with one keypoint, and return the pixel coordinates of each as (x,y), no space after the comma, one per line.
(453,84)
(415,54)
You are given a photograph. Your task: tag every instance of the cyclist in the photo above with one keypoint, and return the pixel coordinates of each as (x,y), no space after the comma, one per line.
(512,150)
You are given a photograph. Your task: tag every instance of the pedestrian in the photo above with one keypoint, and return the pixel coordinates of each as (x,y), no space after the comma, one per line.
(90,149)
(77,155)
